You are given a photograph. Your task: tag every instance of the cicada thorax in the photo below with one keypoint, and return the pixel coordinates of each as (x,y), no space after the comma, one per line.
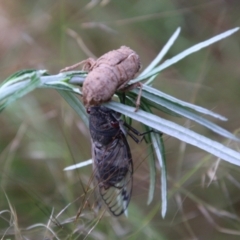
(104,127)
(113,167)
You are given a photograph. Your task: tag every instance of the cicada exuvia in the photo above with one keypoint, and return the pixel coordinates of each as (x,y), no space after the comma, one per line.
(112,159)
(109,73)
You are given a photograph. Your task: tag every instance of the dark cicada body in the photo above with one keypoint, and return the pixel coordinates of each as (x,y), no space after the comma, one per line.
(112,160)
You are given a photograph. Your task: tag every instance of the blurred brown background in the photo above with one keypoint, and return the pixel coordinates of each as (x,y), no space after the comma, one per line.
(41,134)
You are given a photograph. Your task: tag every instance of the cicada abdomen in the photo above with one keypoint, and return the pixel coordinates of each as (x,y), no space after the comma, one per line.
(112,160)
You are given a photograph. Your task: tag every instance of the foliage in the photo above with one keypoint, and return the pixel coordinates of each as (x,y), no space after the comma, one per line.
(23,82)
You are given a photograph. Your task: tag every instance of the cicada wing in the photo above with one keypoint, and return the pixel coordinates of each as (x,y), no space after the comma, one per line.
(97,195)
(118,197)
(113,170)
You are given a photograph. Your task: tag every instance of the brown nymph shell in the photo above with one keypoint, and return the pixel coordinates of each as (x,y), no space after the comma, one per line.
(111,72)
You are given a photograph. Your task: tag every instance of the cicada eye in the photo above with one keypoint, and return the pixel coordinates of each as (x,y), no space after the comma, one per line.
(88,110)
(115,124)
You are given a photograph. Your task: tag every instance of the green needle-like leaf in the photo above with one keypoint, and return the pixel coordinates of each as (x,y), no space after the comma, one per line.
(179,132)
(160,153)
(30,86)
(76,104)
(185,53)
(187,112)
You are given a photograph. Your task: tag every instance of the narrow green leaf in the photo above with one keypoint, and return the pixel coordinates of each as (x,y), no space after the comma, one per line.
(6,92)
(179,132)
(76,104)
(63,86)
(22,79)
(196,108)
(133,94)
(160,153)
(152,174)
(20,76)
(151,159)
(78,165)
(31,85)
(162,53)
(185,112)
(184,54)
(150,80)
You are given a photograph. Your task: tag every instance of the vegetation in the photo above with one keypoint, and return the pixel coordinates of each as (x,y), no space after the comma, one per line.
(39,140)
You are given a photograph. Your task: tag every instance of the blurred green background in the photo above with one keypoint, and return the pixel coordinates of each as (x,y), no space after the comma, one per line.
(41,134)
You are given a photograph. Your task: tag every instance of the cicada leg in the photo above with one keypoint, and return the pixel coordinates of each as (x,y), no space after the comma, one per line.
(132,132)
(87,64)
(132,86)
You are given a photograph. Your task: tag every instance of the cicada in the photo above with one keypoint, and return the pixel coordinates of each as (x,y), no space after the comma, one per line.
(112,159)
